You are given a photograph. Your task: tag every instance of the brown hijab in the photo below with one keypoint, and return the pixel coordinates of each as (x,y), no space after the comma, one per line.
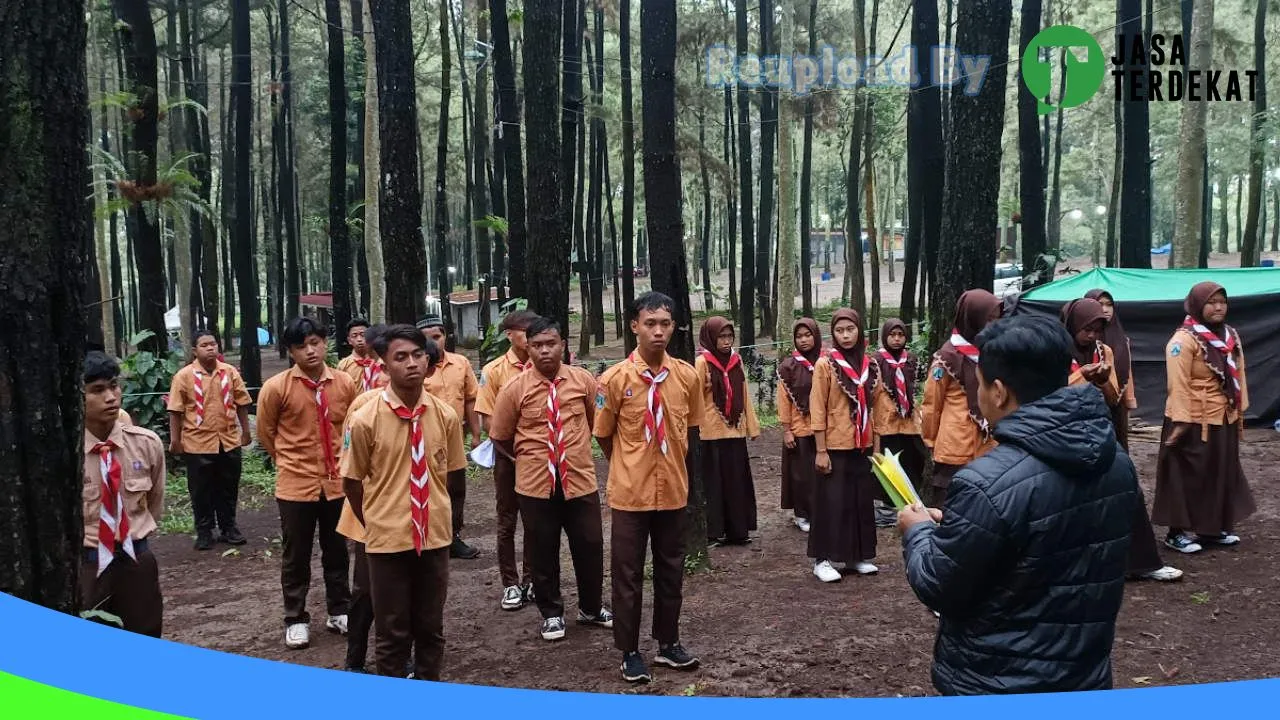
(1115,338)
(1216,359)
(888,372)
(1077,315)
(797,379)
(727,396)
(852,355)
(972,311)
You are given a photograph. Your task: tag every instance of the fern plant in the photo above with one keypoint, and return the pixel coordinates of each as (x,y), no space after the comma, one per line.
(173,196)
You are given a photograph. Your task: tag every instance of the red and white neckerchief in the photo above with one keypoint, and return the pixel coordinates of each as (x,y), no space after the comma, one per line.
(655,427)
(964,347)
(1097,358)
(224,385)
(900,396)
(1227,349)
(802,360)
(862,416)
(419,477)
(322,419)
(370,370)
(113,522)
(555,435)
(734,360)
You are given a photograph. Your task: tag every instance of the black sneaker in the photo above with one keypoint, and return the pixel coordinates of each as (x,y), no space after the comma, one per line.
(633,668)
(232,537)
(358,669)
(553,628)
(204,541)
(677,657)
(603,618)
(526,591)
(461,550)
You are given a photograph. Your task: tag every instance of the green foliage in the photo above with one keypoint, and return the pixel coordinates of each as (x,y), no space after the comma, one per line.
(102,617)
(146,380)
(257,478)
(495,341)
(177,519)
(492,223)
(174,195)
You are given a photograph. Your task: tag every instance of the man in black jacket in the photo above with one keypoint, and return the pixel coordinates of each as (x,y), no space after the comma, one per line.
(1026,562)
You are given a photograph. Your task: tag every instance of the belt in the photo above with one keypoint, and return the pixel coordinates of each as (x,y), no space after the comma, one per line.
(91,554)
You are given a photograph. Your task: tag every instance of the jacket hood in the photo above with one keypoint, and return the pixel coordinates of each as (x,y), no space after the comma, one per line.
(1070,430)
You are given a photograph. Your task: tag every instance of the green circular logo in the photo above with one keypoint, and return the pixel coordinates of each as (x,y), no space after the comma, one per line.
(1083,77)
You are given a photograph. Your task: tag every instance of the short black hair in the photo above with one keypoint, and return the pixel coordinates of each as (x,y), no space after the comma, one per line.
(1031,355)
(355,323)
(651,301)
(199,335)
(100,366)
(371,332)
(400,331)
(544,324)
(300,328)
(518,320)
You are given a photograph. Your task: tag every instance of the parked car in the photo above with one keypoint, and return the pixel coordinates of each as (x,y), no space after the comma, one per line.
(1008,280)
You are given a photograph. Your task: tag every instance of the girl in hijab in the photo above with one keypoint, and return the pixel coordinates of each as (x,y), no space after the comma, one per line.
(795,380)
(1115,338)
(1201,490)
(728,420)
(895,413)
(952,423)
(843,519)
(1096,361)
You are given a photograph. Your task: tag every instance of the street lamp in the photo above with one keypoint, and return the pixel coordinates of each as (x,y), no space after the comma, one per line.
(1100,210)
(1076,214)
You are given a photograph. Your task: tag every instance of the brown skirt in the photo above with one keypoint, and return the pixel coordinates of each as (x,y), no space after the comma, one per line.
(939,483)
(1200,486)
(797,476)
(1144,551)
(844,522)
(731,493)
(911,453)
(1120,418)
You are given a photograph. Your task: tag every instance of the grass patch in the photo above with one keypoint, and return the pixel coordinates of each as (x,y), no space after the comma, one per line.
(768,417)
(257,479)
(177,519)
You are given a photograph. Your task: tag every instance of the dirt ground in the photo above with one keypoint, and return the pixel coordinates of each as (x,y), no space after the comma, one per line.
(762,624)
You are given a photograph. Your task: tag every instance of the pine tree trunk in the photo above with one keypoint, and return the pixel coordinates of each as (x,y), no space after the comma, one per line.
(806,184)
(241,228)
(1117,174)
(786,295)
(1053,227)
(747,281)
(444,280)
(480,184)
(1275,219)
(1239,217)
(372,179)
(925,168)
(853,270)
(340,269)
(618,307)
(1031,190)
(597,218)
(729,145)
(508,113)
(1135,186)
(768,134)
(1223,229)
(704,231)
(286,191)
(628,169)
(872,320)
(1191,143)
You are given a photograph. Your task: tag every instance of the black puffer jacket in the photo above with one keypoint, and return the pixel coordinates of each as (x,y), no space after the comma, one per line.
(1027,567)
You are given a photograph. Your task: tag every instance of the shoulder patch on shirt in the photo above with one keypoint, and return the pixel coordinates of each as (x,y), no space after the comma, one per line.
(627,393)
(346,439)
(1176,350)
(600,397)
(937,373)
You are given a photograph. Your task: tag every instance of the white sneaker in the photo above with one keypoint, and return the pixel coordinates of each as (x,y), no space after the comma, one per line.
(337,624)
(512,598)
(801,523)
(824,572)
(865,568)
(297,636)
(1164,574)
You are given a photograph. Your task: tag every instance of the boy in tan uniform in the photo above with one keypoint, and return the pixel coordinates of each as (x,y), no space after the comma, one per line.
(399,449)
(364,367)
(646,406)
(543,419)
(300,416)
(208,424)
(516,591)
(452,380)
(123,501)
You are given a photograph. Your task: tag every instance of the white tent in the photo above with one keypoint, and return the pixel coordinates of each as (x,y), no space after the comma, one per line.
(173,321)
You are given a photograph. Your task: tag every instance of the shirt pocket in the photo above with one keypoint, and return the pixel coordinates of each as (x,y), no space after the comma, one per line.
(91,495)
(135,492)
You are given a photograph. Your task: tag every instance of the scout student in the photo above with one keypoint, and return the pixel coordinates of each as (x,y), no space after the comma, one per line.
(399,449)
(543,419)
(795,380)
(208,424)
(515,590)
(952,423)
(1093,361)
(895,414)
(646,407)
(452,380)
(727,421)
(300,416)
(362,364)
(844,385)
(123,501)
(1114,337)
(1201,488)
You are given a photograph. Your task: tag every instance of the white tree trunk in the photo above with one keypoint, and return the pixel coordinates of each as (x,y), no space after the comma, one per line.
(784,318)
(1191,143)
(372,176)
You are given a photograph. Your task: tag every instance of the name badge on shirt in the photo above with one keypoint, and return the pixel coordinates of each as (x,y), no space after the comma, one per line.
(137,466)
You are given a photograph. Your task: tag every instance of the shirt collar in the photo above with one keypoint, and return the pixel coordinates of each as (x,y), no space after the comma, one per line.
(116,437)
(296,372)
(393,400)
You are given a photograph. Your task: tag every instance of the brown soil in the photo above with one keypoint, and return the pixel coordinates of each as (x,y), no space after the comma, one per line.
(762,624)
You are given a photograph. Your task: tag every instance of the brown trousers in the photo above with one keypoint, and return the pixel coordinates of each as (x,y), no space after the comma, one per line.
(298,524)
(504,487)
(127,589)
(579,519)
(457,483)
(409,592)
(630,533)
(360,614)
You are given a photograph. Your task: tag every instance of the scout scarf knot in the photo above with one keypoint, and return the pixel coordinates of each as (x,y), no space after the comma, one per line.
(371,368)
(901,397)
(113,523)
(732,405)
(419,485)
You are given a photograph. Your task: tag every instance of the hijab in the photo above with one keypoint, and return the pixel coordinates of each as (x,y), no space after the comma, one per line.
(797,379)
(972,310)
(1216,359)
(1077,315)
(887,371)
(737,386)
(1113,336)
(853,356)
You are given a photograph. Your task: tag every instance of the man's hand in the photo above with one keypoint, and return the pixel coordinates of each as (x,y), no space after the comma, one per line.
(1175,436)
(913,515)
(788,439)
(245,438)
(175,447)
(822,462)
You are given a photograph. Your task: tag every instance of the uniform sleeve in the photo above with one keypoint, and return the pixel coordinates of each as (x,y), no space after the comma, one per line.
(470,388)
(506,410)
(240,391)
(697,407)
(749,410)
(269,416)
(155,497)
(486,395)
(1244,386)
(177,392)
(935,394)
(1180,356)
(1111,389)
(345,363)
(785,407)
(357,448)
(457,453)
(606,406)
(818,396)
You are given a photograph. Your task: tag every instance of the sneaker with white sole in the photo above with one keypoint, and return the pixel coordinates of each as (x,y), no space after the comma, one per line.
(336,624)
(1224,538)
(1182,543)
(801,523)
(553,628)
(633,668)
(865,568)
(675,656)
(1167,573)
(297,636)
(603,618)
(824,572)
(512,598)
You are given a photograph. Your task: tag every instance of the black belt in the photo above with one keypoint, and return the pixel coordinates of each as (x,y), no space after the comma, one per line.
(139,546)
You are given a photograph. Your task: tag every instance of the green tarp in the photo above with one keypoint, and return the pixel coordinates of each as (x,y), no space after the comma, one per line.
(1156,285)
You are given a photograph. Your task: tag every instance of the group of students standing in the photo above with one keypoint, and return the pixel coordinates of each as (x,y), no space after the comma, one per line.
(373,452)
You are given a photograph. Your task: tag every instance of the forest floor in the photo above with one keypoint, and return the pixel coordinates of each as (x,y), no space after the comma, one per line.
(759,620)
